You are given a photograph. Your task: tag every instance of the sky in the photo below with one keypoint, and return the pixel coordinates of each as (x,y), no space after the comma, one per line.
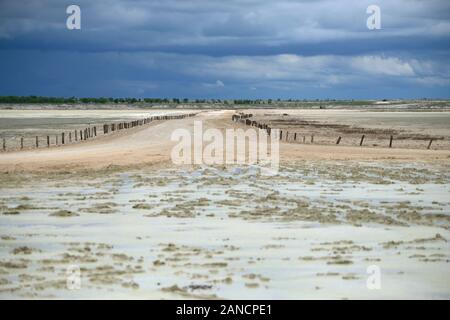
(226,49)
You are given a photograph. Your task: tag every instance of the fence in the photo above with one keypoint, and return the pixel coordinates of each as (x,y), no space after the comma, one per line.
(294,136)
(79,135)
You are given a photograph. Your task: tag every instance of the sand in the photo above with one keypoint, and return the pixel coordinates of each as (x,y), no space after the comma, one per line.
(139,227)
(152,144)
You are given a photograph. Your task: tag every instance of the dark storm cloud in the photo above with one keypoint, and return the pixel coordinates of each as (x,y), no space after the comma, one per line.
(226,48)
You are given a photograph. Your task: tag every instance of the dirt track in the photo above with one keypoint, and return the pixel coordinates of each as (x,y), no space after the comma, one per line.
(152,144)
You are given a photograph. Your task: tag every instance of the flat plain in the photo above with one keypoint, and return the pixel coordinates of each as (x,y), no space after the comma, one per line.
(138,226)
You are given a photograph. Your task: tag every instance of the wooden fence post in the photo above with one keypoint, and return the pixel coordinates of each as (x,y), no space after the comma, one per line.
(21,142)
(281,134)
(362,140)
(338,140)
(37,142)
(304,139)
(76,135)
(48,141)
(295,136)
(81,135)
(70,137)
(390,142)
(312,138)
(4,144)
(56,139)
(62,138)
(429,145)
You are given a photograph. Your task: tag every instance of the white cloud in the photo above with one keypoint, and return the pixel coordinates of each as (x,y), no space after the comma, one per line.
(332,69)
(382,66)
(319,70)
(433,81)
(217,84)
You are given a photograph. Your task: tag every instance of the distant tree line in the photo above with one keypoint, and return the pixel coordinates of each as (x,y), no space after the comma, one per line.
(104,100)
(101,100)
(74,100)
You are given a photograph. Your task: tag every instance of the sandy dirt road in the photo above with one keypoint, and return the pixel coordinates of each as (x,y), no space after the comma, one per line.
(152,144)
